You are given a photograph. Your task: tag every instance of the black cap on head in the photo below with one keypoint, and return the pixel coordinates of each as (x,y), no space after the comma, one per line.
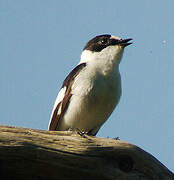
(100,42)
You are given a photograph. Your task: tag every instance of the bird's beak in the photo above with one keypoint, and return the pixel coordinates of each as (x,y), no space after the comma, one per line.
(124,42)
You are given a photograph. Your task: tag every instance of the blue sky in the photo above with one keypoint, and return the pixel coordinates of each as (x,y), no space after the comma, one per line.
(41,41)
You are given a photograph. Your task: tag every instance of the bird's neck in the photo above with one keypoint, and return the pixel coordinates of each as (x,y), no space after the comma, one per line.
(105,63)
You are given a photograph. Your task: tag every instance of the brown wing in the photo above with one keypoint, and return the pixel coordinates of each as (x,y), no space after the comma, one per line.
(62,106)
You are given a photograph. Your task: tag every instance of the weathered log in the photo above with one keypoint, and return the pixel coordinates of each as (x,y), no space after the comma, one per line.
(35,154)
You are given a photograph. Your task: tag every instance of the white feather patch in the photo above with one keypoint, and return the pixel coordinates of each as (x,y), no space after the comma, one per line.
(60,109)
(60,96)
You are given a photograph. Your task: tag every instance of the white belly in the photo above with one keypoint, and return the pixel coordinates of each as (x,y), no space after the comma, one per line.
(91,103)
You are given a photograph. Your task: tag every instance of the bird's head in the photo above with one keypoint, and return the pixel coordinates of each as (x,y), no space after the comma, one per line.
(104,48)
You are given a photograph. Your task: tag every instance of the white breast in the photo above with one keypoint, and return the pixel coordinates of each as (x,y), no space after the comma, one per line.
(94,97)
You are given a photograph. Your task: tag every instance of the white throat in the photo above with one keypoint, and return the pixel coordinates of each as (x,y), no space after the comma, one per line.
(107,59)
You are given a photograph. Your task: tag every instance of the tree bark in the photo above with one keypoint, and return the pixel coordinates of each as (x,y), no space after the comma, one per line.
(35,154)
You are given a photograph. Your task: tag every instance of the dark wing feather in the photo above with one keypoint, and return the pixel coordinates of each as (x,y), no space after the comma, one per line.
(68,82)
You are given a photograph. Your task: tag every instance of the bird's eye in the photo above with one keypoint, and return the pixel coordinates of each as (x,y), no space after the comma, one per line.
(104,41)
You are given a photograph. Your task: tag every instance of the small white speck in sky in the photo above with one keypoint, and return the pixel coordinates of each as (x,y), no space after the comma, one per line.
(164,41)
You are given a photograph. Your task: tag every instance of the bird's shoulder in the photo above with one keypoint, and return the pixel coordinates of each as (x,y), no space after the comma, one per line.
(73,74)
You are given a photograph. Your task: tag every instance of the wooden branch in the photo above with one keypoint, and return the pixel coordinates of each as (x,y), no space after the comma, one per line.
(35,155)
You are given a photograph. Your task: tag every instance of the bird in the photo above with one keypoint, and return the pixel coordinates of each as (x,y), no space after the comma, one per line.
(92,90)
